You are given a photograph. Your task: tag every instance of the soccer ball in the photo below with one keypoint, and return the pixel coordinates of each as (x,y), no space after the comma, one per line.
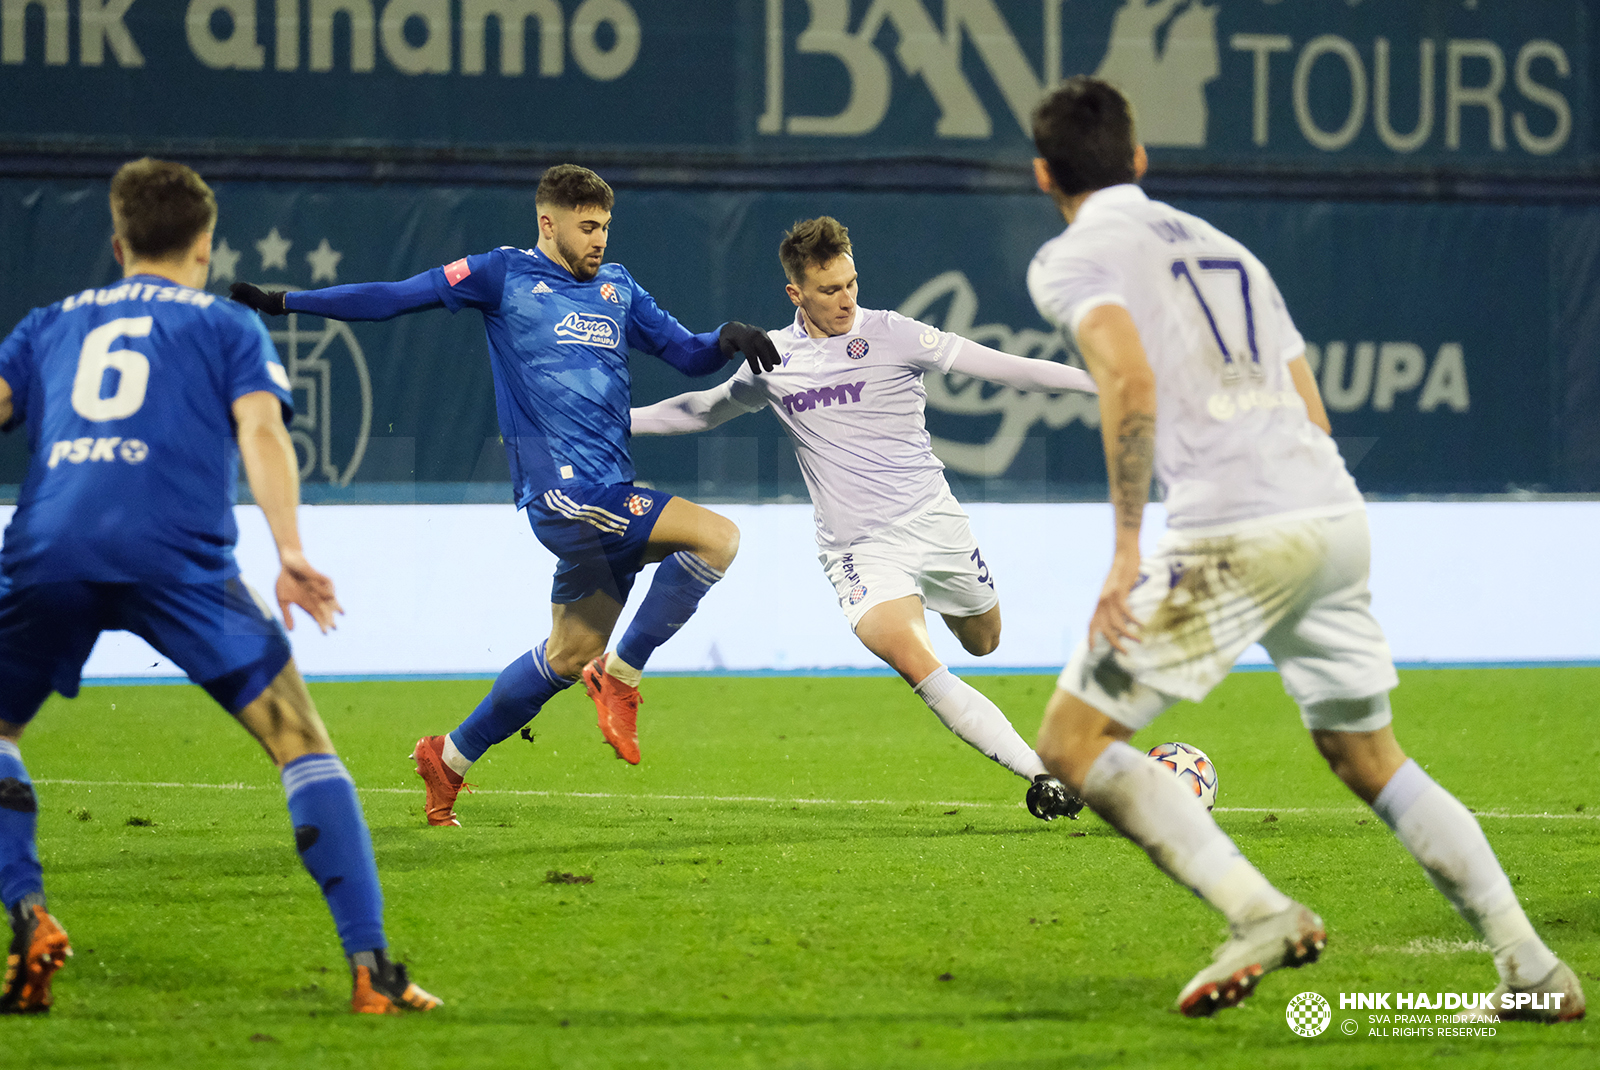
(1192,768)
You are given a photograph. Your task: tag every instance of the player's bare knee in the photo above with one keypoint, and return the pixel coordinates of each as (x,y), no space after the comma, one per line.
(721,544)
(981,642)
(1355,738)
(284,720)
(979,635)
(568,657)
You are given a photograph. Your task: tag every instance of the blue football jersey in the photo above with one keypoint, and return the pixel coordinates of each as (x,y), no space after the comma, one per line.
(559,352)
(127,396)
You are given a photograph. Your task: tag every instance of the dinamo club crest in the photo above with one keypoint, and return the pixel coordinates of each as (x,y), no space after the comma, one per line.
(638,504)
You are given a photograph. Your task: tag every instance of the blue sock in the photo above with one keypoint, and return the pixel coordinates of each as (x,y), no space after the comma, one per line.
(681,581)
(20,873)
(519,693)
(332,838)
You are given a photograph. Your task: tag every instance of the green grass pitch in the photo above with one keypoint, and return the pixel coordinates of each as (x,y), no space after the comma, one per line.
(805,872)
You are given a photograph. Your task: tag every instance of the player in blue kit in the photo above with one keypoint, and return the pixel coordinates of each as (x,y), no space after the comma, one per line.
(560,323)
(139,401)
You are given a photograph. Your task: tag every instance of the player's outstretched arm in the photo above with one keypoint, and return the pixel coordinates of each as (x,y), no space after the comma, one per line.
(6,407)
(698,410)
(357,301)
(1115,355)
(269,465)
(1021,373)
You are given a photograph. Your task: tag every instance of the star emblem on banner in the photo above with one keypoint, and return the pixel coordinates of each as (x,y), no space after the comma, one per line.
(324,261)
(274,250)
(224,261)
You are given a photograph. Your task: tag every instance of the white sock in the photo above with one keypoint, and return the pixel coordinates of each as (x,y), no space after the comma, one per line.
(1148,805)
(1444,837)
(620,669)
(966,712)
(454,758)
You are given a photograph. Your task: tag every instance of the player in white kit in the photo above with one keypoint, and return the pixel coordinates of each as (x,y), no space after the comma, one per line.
(890,535)
(1203,380)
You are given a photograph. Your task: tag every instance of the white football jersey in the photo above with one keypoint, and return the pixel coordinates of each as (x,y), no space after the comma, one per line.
(1233,441)
(853,404)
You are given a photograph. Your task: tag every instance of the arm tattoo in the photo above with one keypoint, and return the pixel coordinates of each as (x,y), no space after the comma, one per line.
(1130,469)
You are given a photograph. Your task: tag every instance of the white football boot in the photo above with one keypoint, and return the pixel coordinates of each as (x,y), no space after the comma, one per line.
(1561,982)
(1292,937)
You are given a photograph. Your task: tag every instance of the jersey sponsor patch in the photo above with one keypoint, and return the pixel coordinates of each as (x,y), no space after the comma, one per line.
(609,292)
(638,504)
(857,348)
(276,373)
(579,328)
(456,271)
(826,396)
(929,338)
(79,450)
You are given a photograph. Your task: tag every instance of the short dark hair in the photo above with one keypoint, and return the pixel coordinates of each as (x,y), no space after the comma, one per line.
(1084,131)
(812,243)
(158,208)
(566,185)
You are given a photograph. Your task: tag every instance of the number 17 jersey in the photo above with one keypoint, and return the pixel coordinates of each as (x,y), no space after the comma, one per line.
(1234,443)
(127,396)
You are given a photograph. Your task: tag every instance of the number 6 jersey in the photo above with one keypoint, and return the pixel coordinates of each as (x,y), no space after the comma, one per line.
(1233,441)
(127,394)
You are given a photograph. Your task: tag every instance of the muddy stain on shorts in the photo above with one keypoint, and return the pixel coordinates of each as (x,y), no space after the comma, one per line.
(1228,591)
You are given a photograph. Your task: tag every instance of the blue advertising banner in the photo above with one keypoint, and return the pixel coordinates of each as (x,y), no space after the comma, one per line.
(1317,84)
(1455,343)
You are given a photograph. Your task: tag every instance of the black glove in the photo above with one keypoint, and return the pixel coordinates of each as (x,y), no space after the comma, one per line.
(758,350)
(268,301)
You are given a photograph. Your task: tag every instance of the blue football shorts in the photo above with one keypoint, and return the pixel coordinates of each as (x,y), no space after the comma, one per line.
(598,534)
(220,633)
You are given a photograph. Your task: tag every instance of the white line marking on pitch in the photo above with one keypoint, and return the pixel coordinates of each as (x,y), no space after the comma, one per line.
(772,799)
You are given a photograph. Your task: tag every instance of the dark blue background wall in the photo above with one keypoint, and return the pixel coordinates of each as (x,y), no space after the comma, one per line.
(1419,177)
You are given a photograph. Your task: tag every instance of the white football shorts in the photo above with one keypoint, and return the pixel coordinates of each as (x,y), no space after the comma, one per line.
(932,555)
(1299,588)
